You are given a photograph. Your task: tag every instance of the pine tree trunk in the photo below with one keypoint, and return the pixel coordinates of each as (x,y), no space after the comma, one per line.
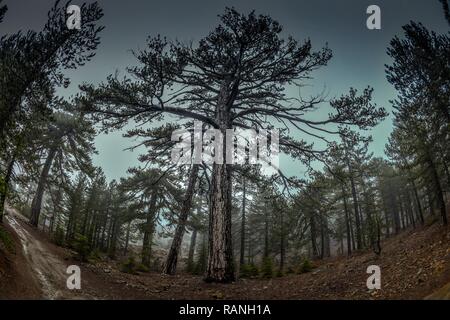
(313,234)
(327,244)
(282,242)
(385,201)
(190,261)
(322,239)
(37,200)
(110,231)
(4,189)
(85,222)
(363,224)
(394,211)
(266,232)
(103,244)
(203,255)
(172,257)
(418,204)
(386,219)
(220,266)
(127,238)
(242,249)
(402,213)
(114,236)
(438,189)
(347,222)
(409,208)
(148,231)
(356,208)
(445,162)
(250,251)
(220,251)
(430,200)
(352,233)
(70,227)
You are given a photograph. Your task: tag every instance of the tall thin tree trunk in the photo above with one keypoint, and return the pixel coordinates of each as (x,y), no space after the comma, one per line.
(445,161)
(313,234)
(282,242)
(190,261)
(104,228)
(347,222)
(356,208)
(266,232)
(114,236)
(402,213)
(418,204)
(385,202)
(250,250)
(148,231)
(352,232)
(242,249)
(394,211)
(172,257)
(5,188)
(409,208)
(127,238)
(327,244)
(110,231)
(438,189)
(430,200)
(37,200)
(322,239)
(85,222)
(386,219)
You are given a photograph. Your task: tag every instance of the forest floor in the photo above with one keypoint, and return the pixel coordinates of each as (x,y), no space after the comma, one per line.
(414,265)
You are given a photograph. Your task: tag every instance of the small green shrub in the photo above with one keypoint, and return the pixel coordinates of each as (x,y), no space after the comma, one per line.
(95,255)
(267,268)
(156,265)
(430,220)
(248,271)
(290,270)
(129,266)
(280,273)
(305,266)
(58,237)
(190,266)
(142,268)
(6,241)
(81,245)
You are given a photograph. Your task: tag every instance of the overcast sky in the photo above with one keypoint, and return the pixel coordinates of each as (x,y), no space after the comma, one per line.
(358,59)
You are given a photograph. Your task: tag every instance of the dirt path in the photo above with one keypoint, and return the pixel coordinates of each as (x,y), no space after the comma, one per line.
(48,269)
(38,269)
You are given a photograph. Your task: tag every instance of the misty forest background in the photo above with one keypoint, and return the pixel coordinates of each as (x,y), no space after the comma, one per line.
(221,221)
